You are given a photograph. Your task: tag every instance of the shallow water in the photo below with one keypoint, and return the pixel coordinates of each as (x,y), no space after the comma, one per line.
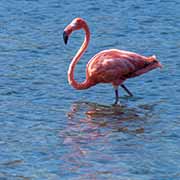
(51,131)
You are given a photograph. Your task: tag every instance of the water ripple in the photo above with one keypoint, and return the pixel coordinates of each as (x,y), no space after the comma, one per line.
(51,131)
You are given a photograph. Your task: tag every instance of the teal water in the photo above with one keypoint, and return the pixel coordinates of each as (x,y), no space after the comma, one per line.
(51,131)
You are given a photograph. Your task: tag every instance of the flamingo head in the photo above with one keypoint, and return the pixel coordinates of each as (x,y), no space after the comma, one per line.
(76,24)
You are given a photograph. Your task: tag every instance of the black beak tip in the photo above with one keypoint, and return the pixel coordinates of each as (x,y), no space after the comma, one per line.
(65,37)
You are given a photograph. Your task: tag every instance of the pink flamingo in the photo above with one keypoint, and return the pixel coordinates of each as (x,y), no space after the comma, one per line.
(109,66)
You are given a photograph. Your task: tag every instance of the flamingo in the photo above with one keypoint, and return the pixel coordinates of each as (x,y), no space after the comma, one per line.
(108,66)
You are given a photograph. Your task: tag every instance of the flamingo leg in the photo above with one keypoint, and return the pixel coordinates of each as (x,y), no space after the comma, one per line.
(126,89)
(116,94)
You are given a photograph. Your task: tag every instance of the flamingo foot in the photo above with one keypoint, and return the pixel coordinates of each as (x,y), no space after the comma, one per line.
(126,89)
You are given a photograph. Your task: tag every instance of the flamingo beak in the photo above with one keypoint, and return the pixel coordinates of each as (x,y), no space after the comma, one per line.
(65,37)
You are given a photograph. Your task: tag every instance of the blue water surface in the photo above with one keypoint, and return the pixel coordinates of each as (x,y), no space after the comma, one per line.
(50,131)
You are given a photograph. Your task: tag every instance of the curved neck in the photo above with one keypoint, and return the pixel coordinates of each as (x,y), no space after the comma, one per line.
(86,84)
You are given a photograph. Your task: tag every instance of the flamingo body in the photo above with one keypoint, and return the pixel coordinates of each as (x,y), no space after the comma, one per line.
(115,66)
(109,66)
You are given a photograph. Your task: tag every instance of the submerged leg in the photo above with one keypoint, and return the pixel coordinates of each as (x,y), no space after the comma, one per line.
(126,89)
(116,95)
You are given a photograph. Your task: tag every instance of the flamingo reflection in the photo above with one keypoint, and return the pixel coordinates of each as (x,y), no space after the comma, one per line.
(89,132)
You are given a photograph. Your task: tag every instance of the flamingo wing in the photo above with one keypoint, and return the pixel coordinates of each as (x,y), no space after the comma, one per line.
(117,65)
